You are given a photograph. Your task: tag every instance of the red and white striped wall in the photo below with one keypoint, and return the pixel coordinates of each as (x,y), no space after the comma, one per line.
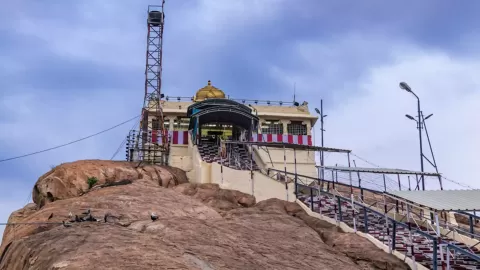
(175,136)
(295,139)
(181,137)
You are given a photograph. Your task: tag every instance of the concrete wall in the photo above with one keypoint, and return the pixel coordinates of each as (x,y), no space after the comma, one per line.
(201,172)
(261,186)
(305,160)
(180,158)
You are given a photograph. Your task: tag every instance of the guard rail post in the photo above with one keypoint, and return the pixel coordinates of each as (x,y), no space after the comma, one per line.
(311,198)
(365,218)
(394,234)
(340,209)
(470,221)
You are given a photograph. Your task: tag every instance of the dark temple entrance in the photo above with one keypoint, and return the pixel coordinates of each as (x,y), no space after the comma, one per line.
(214,122)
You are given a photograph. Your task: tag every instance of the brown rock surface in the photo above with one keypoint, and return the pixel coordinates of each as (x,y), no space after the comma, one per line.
(199,227)
(70,179)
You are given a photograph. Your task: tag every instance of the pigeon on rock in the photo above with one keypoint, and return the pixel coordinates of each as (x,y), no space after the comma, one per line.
(153,216)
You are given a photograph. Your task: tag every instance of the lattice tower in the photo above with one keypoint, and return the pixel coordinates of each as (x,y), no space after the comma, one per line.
(152,129)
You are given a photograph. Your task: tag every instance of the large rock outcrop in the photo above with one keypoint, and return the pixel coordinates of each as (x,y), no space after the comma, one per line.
(198,226)
(70,179)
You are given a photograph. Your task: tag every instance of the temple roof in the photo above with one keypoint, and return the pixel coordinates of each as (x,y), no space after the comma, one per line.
(209,91)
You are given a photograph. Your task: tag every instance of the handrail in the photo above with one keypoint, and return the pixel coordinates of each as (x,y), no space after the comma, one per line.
(471,255)
(381,214)
(329,181)
(468,214)
(416,229)
(423,218)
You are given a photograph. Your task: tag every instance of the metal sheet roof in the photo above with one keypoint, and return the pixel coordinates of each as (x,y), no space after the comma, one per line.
(379,170)
(293,146)
(443,200)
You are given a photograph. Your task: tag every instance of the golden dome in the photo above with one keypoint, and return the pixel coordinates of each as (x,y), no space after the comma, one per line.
(209,91)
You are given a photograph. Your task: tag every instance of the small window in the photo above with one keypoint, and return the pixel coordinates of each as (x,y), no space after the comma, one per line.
(272,127)
(166,124)
(155,124)
(181,123)
(297,128)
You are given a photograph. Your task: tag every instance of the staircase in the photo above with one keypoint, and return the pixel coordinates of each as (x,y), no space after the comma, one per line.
(407,238)
(238,158)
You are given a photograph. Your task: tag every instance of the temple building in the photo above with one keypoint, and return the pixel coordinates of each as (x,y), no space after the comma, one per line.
(279,118)
(202,130)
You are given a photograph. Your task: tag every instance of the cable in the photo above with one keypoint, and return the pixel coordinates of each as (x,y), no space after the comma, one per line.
(124,141)
(458,183)
(72,142)
(443,177)
(365,160)
(125,138)
(29,223)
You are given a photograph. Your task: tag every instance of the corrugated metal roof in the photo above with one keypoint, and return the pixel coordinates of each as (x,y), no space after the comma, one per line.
(443,200)
(293,146)
(378,170)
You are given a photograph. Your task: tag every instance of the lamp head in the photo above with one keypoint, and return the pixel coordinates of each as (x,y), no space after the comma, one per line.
(404,86)
(410,117)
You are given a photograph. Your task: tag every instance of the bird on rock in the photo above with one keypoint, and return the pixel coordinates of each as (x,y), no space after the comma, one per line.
(153,216)
(77,219)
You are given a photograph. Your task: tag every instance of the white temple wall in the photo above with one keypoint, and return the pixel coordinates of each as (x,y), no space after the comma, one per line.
(261,186)
(305,160)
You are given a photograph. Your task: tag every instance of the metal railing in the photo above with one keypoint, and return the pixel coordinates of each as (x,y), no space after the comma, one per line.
(239,100)
(424,229)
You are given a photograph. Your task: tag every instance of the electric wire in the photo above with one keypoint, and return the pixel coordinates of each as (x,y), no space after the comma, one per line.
(69,143)
(458,183)
(125,138)
(443,177)
(124,141)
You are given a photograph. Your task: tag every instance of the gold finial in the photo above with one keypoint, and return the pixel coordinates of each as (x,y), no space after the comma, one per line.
(209,91)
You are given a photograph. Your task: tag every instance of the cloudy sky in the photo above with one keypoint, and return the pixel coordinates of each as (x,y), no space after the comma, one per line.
(72,68)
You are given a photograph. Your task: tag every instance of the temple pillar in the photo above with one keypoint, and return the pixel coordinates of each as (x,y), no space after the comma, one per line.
(285,126)
(170,119)
(261,122)
(309,126)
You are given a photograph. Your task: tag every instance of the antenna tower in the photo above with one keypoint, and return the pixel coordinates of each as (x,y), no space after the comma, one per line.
(151,142)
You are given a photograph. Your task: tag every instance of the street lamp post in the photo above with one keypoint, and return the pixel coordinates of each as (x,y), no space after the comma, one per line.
(404,86)
(320,112)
